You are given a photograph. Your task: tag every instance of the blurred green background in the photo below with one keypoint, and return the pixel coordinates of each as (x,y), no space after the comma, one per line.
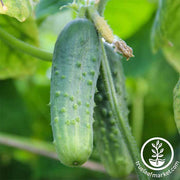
(25,87)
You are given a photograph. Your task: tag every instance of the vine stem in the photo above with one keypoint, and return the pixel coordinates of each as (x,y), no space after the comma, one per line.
(41,148)
(101,6)
(24,47)
(45,149)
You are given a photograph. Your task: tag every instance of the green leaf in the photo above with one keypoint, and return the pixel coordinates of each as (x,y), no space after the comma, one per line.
(14,64)
(46,7)
(127,16)
(166,31)
(19,9)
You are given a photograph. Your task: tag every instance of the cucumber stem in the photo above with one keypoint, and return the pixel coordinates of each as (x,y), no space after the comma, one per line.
(101,6)
(24,47)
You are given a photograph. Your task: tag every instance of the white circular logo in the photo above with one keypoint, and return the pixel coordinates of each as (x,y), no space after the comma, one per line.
(157,153)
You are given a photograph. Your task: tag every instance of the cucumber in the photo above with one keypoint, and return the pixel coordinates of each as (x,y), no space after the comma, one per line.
(177,104)
(108,138)
(75,69)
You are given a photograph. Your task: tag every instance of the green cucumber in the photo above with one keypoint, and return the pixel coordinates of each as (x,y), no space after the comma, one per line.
(177,104)
(108,138)
(75,70)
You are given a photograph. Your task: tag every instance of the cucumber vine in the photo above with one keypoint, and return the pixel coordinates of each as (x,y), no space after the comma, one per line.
(24,47)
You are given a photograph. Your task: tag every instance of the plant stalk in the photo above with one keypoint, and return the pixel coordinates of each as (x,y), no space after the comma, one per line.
(24,47)
(41,148)
(101,6)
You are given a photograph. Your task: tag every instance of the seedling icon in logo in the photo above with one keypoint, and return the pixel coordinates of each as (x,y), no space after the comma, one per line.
(157,154)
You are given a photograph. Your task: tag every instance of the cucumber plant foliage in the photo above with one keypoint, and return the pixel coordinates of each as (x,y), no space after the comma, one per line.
(20,10)
(165,32)
(11,65)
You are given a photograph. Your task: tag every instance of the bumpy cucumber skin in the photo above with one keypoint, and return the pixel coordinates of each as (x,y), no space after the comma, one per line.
(177,105)
(115,157)
(75,70)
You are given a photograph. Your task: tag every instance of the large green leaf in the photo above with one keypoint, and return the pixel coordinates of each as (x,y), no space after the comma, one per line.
(14,63)
(127,16)
(19,9)
(166,31)
(46,7)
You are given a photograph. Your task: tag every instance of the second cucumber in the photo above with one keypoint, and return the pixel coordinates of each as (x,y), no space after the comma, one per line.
(109,140)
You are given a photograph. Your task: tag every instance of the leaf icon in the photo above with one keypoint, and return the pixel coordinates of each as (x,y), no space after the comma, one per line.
(153,145)
(159,145)
(161,155)
(153,151)
(157,142)
(161,150)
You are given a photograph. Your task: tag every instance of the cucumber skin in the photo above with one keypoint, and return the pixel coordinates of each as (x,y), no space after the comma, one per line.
(116,158)
(177,105)
(75,69)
